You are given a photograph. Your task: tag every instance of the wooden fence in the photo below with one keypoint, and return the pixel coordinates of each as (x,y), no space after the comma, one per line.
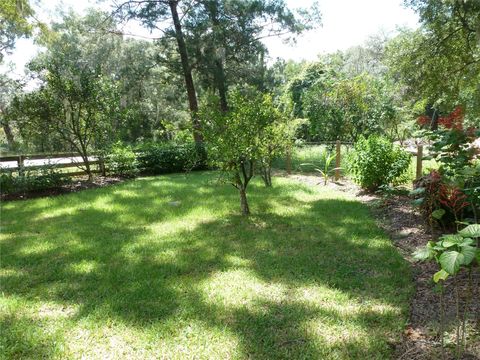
(21,167)
(20,160)
(338,157)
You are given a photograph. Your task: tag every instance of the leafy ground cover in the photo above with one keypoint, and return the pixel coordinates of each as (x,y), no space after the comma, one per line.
(163,267)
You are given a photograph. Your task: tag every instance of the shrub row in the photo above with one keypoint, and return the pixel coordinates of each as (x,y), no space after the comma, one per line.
(154,159)
(121,160)
(46,178)
(169,158)
(373,163)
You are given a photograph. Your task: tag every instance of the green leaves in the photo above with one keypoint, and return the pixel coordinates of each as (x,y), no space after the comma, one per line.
(451,261)
(438,214)
(469,253)
(440,275)
(417,191)
(376,161)
(451,252)
(425,253)
(418,202)
(451,240)
(471,231)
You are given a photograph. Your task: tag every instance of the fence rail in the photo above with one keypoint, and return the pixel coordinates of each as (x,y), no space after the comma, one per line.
(68,160)
(417,152)
(20,160)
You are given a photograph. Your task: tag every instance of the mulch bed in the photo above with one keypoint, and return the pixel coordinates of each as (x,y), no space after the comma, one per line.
(77,184)
(408,231)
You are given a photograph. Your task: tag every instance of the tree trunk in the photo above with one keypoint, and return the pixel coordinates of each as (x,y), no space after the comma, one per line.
(86,161)
(433,114)
(267,175)
(221,84)
(219,70)
(88,170)
(243,202)
(187,72)
(9,135)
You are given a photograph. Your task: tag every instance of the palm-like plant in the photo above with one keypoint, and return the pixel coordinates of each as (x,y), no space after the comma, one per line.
(325,170)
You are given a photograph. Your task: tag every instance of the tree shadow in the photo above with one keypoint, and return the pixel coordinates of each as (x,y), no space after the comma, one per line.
(109,252)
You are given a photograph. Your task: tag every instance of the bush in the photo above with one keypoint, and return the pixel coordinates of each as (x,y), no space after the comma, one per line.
(122,161)
(166,158)
(32,180)
(376,161)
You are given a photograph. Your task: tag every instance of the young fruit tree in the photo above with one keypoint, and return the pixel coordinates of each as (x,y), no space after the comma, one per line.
(238,140)
(277,135)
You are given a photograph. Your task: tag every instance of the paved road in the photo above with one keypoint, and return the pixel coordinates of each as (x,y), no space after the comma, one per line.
(67,160)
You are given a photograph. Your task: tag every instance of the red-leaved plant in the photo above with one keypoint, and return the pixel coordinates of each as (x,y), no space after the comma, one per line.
(453,199)
(454,120)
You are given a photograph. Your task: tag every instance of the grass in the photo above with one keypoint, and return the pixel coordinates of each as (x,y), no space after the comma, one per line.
(304,156)
(163,267)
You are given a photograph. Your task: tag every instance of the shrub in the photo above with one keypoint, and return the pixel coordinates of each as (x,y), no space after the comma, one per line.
(376,161)
(46,178)
(168,158)
(121,160)
(453,149)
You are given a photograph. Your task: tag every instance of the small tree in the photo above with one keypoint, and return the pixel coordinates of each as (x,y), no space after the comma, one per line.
(277,136)
(236,140)
(78,96)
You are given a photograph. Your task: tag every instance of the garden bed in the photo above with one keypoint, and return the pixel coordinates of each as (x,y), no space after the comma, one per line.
(408,230)
(78,183)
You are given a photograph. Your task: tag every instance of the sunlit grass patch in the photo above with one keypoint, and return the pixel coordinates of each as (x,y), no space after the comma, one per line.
(164,267)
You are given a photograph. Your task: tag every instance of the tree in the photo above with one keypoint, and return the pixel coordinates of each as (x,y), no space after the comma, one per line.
(77,96)
(338,105)
(440,62)
(236,140)
(15,22)
(275,138)
(151,14)
(225,38)
(219,40)
(8,89)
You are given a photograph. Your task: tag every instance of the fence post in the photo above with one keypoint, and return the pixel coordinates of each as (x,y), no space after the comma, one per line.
(101,165)
(288,160)
(20,165)
(419,161)
(337,160)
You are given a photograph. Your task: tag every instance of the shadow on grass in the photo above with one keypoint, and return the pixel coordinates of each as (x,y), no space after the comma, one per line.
(99,250)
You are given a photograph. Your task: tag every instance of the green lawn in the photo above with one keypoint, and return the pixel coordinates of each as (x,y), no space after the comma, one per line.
(164,268)
(308,157)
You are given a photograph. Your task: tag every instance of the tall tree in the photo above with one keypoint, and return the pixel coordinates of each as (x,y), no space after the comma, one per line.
(9,88)
(77,93)
(15,22)
(440,62)
(226,39)
(152,14)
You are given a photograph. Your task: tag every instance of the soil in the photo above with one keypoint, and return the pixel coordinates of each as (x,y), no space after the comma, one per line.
(77,184)
(408,231)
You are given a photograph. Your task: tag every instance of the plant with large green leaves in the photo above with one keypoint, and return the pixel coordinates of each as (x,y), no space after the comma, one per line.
(454,253)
